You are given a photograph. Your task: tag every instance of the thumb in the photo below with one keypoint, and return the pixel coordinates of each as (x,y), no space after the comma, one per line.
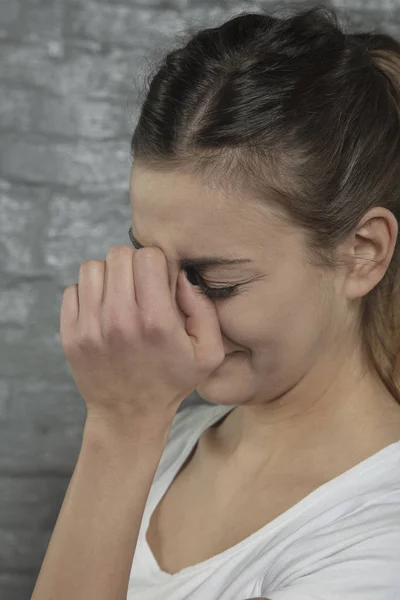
(202,323)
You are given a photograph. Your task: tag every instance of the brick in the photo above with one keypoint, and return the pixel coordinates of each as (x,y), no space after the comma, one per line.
(45,422)
(44,406)
(383,6)
(20,233)
(84,227)
(368,16)
(36,159)
(83,70)
(73,116)
(160,4)
(120,24)
(21,357)
(32,65)
(44,427)
(15,109)
(22,550)
(10,12)
(16,586)
(32,502)
(42,20)
(5,395)
(16,302)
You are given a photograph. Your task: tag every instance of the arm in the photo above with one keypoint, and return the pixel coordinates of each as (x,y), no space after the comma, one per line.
(93,543)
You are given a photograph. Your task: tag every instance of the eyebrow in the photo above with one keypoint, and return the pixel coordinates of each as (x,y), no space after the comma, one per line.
(202,262)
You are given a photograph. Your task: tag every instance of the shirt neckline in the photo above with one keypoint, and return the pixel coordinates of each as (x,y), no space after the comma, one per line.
(333,487)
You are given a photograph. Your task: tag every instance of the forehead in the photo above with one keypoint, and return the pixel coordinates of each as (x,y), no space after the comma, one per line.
(175,197)
(185,205)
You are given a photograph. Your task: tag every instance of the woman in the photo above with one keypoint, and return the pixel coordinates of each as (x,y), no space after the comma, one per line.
(275,143)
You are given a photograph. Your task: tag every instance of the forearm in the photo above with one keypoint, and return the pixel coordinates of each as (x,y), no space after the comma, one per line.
(90,553)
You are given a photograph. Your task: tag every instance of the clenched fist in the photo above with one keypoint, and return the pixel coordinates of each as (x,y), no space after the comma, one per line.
(129,352)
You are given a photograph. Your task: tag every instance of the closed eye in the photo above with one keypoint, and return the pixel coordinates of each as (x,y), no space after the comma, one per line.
(196,279)
(211,292)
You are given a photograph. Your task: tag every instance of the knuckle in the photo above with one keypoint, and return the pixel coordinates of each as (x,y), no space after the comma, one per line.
(219,358)
(67,342)
(152,327)
(121,250)
(88,263)
(149,252)
(88,339)
(113,328)
(69,289)
(213,359)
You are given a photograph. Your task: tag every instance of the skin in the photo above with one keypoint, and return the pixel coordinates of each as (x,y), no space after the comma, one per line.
(300,381)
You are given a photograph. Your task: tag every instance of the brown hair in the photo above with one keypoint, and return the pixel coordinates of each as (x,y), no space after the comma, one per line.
(304,115)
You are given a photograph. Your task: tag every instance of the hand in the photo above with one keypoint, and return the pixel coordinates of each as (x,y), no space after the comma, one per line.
(131,354)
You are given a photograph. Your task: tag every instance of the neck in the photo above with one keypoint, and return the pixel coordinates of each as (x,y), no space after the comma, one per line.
(346,420)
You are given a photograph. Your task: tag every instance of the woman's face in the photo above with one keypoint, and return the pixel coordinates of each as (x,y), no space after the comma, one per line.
(284,321)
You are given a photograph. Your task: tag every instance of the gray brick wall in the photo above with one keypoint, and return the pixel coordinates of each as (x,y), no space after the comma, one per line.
(70,71)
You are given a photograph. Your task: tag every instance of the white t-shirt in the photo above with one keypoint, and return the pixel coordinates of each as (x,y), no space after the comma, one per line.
(341,542)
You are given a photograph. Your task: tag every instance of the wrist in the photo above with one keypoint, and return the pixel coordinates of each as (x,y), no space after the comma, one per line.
(119,431)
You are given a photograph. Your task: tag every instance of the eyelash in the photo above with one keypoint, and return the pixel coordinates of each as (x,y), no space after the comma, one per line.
(208,291)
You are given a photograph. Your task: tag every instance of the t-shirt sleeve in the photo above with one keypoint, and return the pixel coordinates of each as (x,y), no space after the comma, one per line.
(364,565)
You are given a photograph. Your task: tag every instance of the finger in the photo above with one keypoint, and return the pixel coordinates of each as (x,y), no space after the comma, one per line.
(90,289)
(69,314)
(119,308)
(202,323)
(153,294)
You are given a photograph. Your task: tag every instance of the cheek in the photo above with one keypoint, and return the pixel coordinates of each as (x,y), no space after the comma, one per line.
(300,323)
(250,321)
(280,316)
(284,316)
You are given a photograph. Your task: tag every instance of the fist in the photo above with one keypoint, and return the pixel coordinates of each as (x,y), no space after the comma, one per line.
(131,354)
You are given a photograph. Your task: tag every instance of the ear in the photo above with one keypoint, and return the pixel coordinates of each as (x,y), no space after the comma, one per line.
(372,246)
